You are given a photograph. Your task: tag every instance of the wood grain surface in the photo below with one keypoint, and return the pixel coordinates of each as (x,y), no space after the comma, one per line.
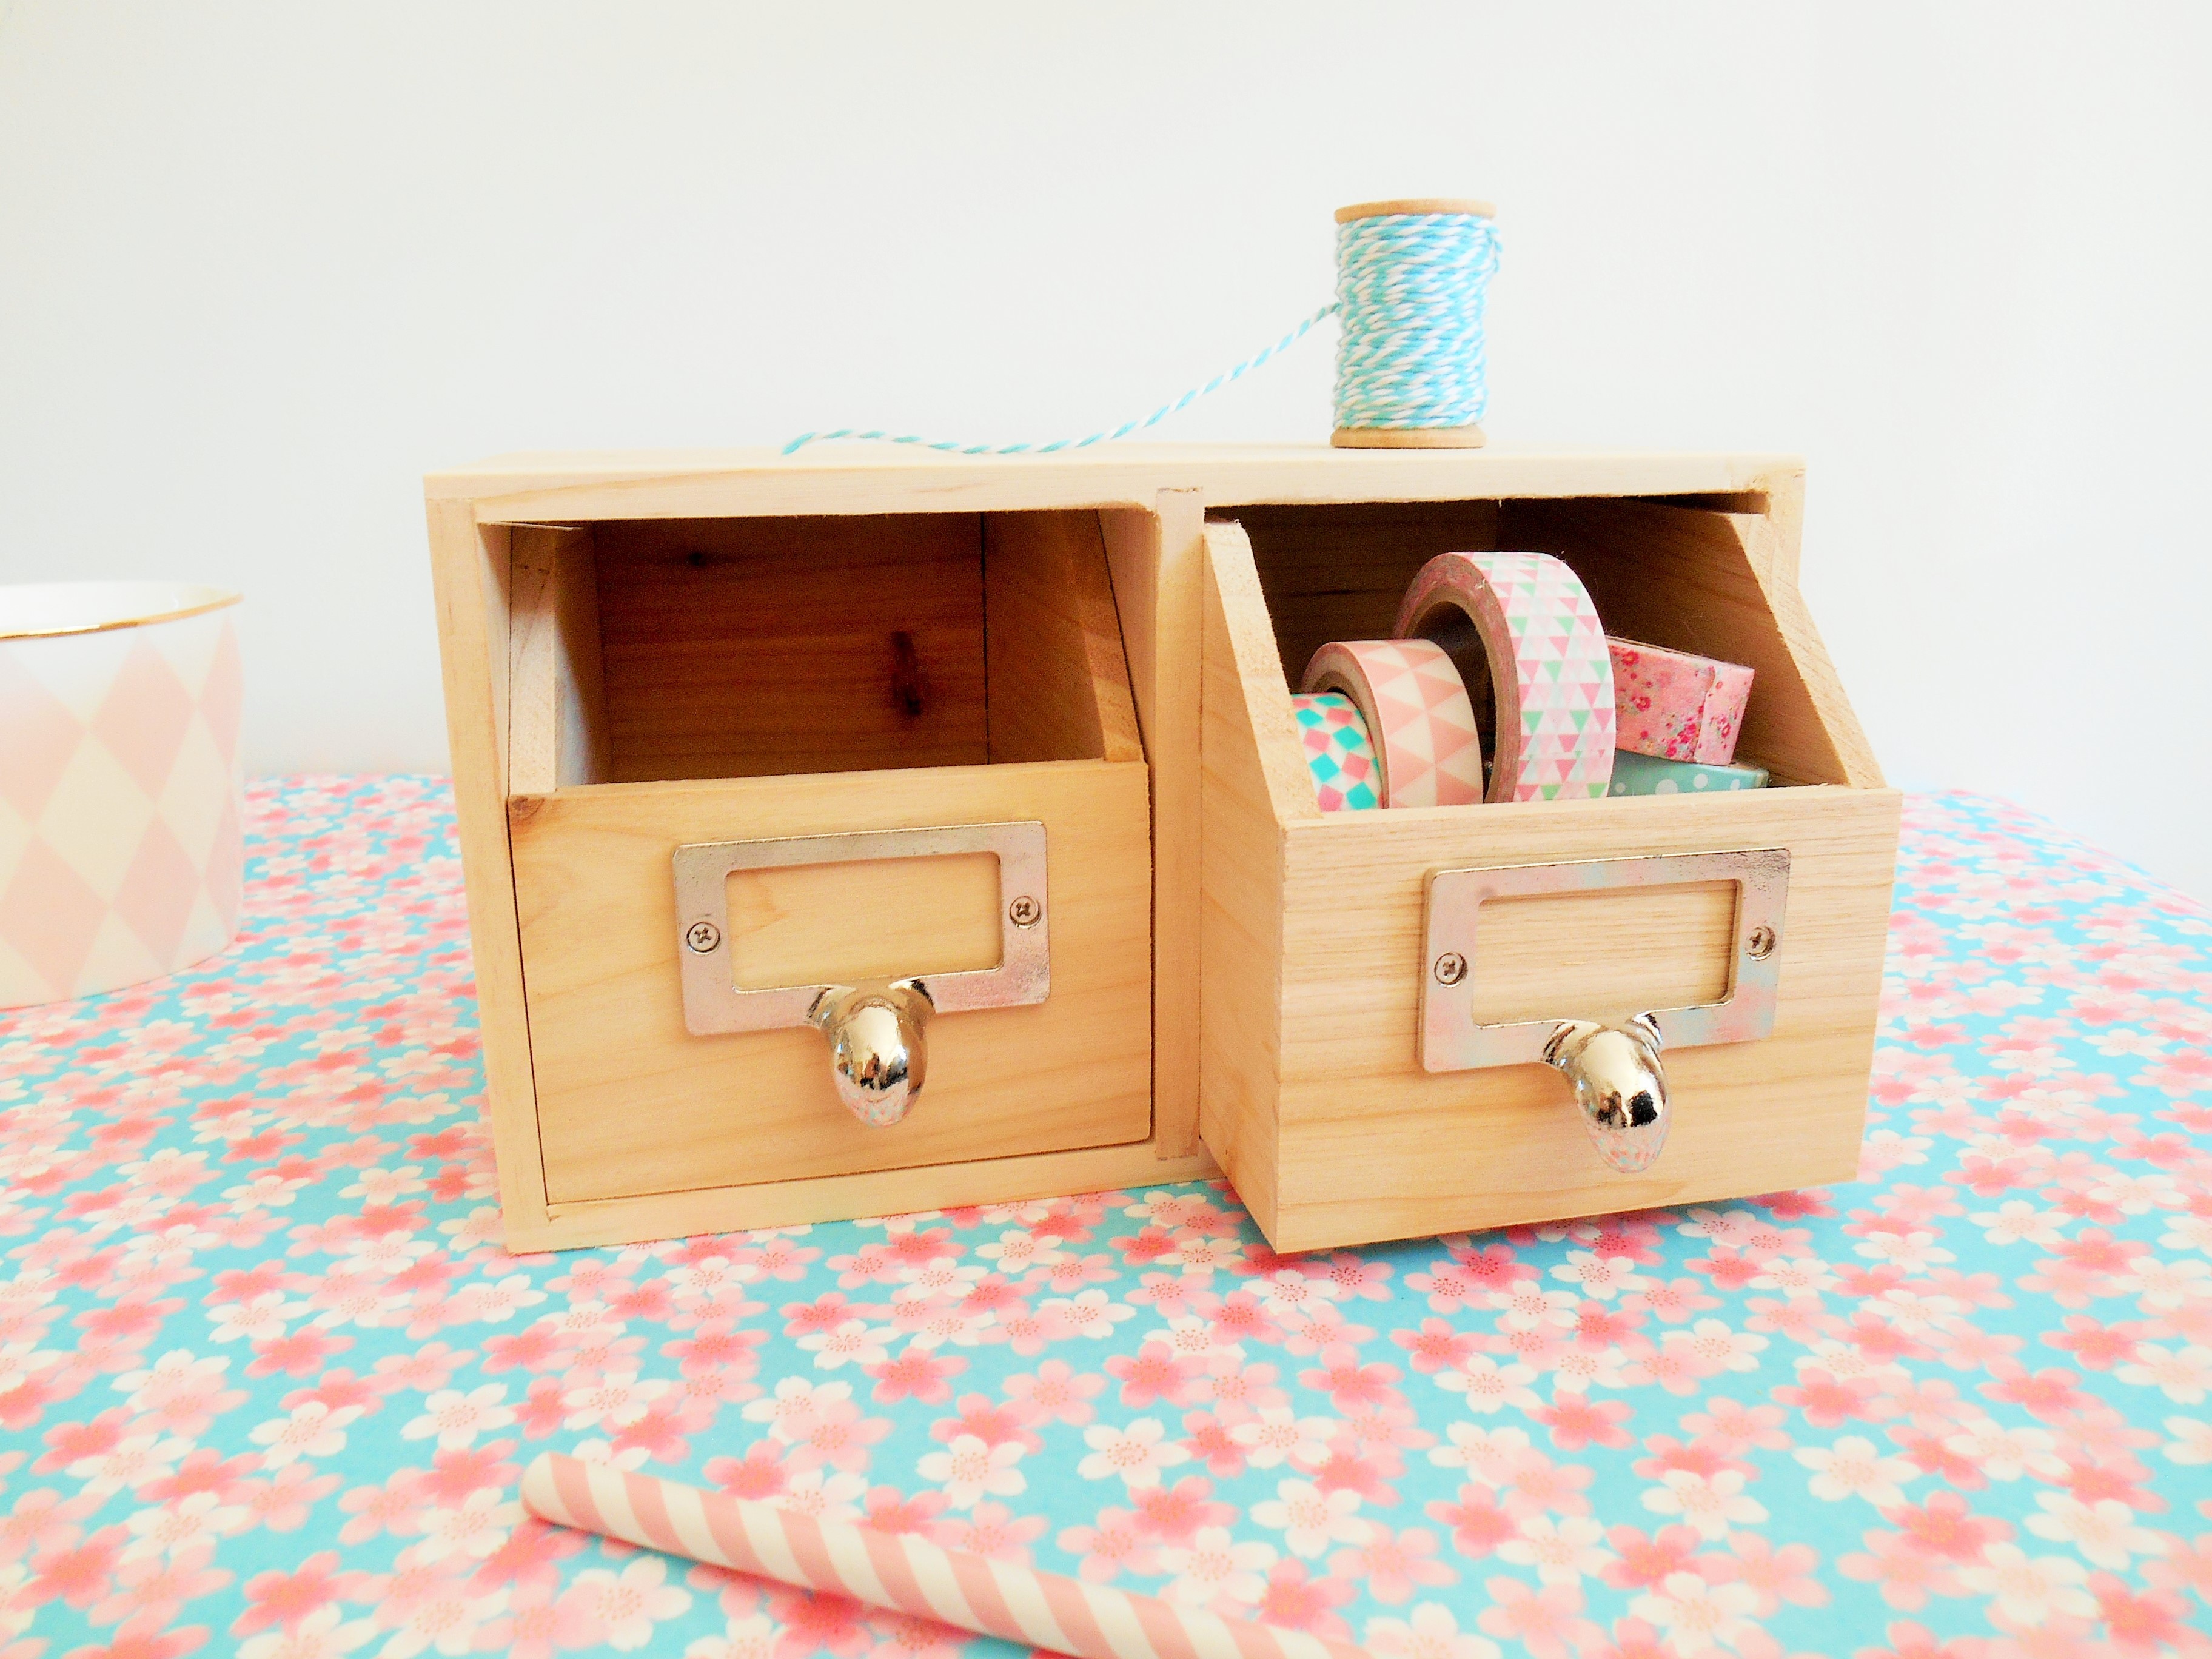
(557,700)
(630,1104)
(1157,561)
(1314,1097)
(1689,579)
(750,648)
(1058,681)
(1281,935)
(470,566)
(850,479)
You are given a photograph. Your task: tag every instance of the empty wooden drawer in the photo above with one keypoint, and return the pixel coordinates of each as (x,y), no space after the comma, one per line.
(884,749)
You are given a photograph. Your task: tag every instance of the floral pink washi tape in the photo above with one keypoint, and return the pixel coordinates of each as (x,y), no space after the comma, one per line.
(1520,628)
(1417,711)
(899,1571)
(1673,706)
(1347,777)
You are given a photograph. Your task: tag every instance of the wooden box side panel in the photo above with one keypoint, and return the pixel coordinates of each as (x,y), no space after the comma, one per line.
(1246,794)
(1157,558)
(1372,1146)
(470,568)
(631,1104)
(1058,679)
(1695,581)
(556,693)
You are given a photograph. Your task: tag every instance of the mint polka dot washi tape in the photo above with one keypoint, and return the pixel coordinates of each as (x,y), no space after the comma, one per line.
(1339,753)
(1523,631)
(1646,775)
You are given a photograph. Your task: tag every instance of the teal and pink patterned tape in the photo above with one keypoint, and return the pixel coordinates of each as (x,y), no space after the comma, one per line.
(1339,752)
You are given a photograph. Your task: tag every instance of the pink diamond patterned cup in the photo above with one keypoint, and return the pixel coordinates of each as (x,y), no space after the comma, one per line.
(120,784)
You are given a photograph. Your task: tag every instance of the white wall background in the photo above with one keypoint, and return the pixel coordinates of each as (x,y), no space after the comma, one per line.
(262,265)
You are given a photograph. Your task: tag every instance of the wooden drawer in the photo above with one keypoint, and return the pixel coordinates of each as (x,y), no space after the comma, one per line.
(1314,1093)
(669,683)
(630,1102)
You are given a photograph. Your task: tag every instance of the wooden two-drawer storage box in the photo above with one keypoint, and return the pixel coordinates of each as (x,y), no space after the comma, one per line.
(732,733)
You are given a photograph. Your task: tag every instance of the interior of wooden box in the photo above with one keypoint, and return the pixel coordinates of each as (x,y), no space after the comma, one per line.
(1673,572)
(744,647)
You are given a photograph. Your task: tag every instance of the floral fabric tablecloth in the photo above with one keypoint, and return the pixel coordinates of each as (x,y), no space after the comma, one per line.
(268,1380)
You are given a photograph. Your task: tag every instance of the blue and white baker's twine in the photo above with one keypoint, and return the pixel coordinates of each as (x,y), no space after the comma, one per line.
(1410,292)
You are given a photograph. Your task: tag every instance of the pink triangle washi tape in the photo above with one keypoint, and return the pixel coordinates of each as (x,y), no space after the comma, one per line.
(1554,710)
(1347,777)
(1417,711)
(899,1571)
(1674,706)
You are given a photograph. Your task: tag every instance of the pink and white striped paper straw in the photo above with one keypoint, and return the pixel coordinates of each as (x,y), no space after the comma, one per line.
(899,1571)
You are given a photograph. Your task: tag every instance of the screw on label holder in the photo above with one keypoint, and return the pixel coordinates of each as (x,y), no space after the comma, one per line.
(1613,1066)
(878,1051)
(1454,1036)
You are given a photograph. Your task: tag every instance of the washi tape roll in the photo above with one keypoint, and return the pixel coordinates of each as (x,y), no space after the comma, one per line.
(1531,652)
(1417,711)
(1339,752)
(1675,706)
(1643,774)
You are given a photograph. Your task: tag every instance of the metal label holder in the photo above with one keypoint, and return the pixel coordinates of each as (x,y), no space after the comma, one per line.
(1453,1040)
(714,1004)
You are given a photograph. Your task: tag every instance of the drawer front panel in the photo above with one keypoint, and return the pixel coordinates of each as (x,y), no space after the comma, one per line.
(1606,953)
(630,1102)
(803,923)
(1370,1146)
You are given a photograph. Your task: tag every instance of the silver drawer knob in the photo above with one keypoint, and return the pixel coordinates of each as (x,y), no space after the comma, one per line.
(877,1056)
(1620,1087)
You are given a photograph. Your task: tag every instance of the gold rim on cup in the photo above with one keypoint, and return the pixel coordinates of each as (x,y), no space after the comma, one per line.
(184,600)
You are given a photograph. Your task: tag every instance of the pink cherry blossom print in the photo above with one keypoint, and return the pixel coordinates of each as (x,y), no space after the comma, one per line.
(267,1379)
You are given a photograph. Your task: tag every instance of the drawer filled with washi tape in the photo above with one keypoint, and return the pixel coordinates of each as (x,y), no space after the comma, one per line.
(830,844)
(1547,868)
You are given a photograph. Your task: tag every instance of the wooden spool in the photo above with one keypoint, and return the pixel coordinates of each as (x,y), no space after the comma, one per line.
(1411,437)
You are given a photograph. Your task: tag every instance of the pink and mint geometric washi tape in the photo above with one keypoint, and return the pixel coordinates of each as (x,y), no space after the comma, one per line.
(1417,712)
(1537,642)
(1643,774)
(1675,706)
(1339,752)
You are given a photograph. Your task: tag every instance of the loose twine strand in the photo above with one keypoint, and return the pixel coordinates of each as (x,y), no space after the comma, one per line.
(1410,291)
